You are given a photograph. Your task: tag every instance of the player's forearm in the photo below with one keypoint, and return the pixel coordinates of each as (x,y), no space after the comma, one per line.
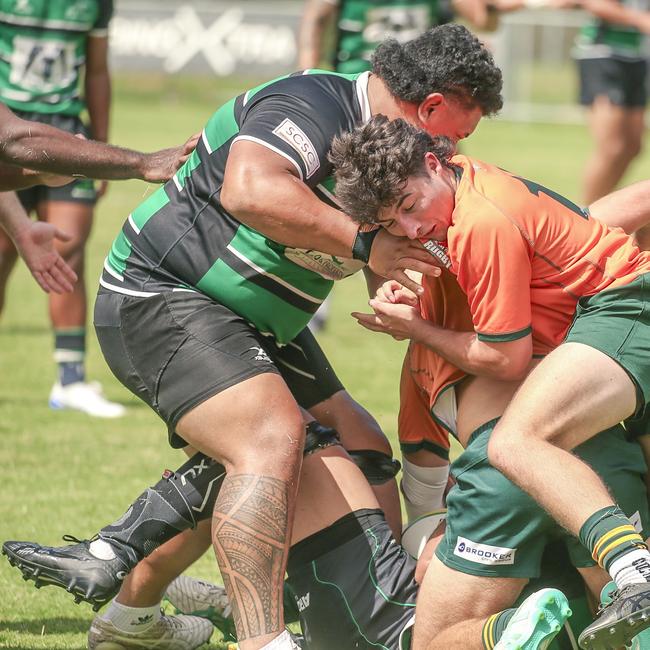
(316,15)
(283,208)
(613,12)
(13,218)
(628,208)
(46,149)
(465,351)
(98,101)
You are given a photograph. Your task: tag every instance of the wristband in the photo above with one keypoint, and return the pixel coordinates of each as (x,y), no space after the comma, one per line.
(363,244)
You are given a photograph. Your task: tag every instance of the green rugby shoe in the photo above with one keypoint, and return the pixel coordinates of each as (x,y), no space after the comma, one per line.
(536,622)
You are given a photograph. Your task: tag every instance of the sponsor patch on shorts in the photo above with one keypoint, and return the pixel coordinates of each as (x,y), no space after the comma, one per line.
(484,553)
(295,137)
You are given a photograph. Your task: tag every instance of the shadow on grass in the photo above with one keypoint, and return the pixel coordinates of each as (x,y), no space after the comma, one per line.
(46,626)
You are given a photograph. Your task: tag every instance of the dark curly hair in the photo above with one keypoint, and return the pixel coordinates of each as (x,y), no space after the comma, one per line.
(373,162)
(447,59)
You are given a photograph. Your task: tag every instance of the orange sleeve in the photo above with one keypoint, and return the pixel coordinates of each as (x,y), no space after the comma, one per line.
(492,263)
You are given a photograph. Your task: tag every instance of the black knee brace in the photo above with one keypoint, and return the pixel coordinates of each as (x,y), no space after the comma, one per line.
(376,466)
(177,502)
(318,437)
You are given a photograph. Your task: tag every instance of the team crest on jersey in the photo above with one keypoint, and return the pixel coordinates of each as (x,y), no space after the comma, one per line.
(296,138)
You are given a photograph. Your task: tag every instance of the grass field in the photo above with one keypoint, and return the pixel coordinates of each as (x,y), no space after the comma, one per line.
(66,473)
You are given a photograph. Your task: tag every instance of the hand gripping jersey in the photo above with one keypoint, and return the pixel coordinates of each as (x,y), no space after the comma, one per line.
(182,239)
(43,48)
(427,413)
(525,255)
(363,24)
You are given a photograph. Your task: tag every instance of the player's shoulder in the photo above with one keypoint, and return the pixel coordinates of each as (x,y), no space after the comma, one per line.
(308,86)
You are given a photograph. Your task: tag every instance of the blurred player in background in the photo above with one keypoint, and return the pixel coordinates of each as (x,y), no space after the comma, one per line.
(43,48)
(611,60)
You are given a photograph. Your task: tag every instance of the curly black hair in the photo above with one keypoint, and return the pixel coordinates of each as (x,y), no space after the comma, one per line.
(373,163)
(447,59)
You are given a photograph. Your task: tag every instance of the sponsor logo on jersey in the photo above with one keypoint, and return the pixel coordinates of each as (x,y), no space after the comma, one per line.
(260,354)
(295,137)
(438,251)
(329,266)
(303,602)
(484,553)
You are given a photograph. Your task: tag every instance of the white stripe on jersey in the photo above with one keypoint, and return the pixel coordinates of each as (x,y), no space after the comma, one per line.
(272,148)
(128,292)
(273,277)
(300,372)
(132,224)
(362,96)
(205,141)
(111,271)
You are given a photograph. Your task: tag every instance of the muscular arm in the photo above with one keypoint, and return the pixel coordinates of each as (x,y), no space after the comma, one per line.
(98,87)
(507,360)
(47,149)
(315,18)
(628,208)
(262,190)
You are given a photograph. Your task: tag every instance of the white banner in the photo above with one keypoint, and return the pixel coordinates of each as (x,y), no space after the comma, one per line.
(219,38)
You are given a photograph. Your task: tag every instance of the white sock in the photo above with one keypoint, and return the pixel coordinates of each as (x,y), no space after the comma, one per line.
(131,619)
(101,550)
(631,568)
(281,642)
(423,488)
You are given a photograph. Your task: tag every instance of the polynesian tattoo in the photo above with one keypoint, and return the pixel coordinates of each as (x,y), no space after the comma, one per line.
(251,543)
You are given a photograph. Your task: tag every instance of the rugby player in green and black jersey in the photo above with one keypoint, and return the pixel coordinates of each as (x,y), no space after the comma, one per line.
(44,47)
(213,277)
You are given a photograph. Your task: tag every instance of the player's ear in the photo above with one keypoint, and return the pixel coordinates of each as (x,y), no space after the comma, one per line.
(429,105)
(432,163)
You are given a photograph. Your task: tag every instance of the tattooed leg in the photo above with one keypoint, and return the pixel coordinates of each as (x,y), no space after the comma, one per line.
(249,532)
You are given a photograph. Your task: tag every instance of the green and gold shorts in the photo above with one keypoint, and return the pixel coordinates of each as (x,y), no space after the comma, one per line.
(495,529)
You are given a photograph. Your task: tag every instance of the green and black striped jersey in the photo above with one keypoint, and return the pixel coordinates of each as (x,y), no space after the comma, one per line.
(363,24)
(182,239)
(43,48)
(599,39)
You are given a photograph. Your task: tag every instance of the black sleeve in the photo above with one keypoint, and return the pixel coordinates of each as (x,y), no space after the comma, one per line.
(300,130)
(104,16)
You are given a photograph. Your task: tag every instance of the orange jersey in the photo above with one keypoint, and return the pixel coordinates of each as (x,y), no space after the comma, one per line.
(424,418)
(525,255)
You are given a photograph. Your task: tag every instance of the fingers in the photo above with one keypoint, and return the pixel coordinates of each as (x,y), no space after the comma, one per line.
(427,267)
(387,291)
(191,143)
(404,279)
(64,276)
(41,281)
(369,321)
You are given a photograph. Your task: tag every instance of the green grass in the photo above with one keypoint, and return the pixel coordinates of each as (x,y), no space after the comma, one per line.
(66,473)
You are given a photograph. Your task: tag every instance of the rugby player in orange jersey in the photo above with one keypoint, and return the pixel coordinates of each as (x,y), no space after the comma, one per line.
(540,277)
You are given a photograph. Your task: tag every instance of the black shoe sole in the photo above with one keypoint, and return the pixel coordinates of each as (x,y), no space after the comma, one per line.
(44,576)
(616,635)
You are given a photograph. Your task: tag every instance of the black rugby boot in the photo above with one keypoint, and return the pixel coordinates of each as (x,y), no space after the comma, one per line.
(71,567)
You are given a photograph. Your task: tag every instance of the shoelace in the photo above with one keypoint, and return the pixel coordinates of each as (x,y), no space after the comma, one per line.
(74,540)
